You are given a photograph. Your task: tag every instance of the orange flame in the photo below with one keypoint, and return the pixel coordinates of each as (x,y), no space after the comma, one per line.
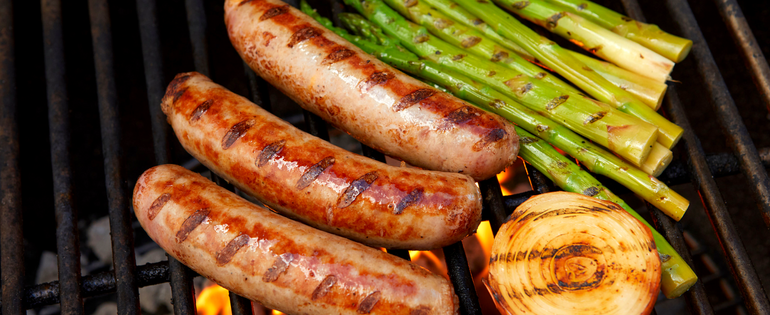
(277,312)
(213,300)
(486,238)
(503,177)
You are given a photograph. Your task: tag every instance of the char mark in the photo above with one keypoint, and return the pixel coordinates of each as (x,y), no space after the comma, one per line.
(313,172)
(367,304)
(553,20)
(357,187)
(411,3)
(421,310)
(500,55)
(412,198)
(556,102)
(591,191)
(244,2)
(200,110)
(491,137)
(413,98)
(339,53)
(178,94)
(279,267)
(377,78)
(273,12)
(594,118)
(236,132)
(520,5)
(157,205)
(191,223)
(269,151)
(226,254)
(303,35)
(324,287)
(470,41)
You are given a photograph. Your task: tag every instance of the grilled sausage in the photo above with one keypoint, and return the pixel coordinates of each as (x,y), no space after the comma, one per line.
(280,263)
(378,105)
(314,181)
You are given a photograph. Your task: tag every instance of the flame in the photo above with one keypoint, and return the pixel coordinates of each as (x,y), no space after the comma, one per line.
(213,300)
(486,238)
(277,312)
(503,177)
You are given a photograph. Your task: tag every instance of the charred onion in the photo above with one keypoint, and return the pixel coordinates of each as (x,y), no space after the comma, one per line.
(565,253)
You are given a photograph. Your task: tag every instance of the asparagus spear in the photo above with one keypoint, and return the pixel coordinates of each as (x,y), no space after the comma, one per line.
(594,120)
(592,156)
(649,91)
(558,59)
(677,276)
(472,40)
(645,89)
(609,46)
(648,35)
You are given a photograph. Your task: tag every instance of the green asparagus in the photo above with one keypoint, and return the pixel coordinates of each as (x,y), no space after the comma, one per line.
(558,59)
(607,45)
(651,36)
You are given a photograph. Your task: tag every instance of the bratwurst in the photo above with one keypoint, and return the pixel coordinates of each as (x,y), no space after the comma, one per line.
(280,263)
(313,181)
(376,104)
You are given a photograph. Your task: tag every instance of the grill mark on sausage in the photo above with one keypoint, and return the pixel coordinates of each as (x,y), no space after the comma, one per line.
(157,205)
(273,12)
(226,254)
(356,188)
(339,53)
(191,223)
(312,172)
(279,266)
(236,132)
(412,198)
(178,94)
(470,41)
(377,78)
(461,115)
(556,102)
(200,110)
(269,151)
(413,98)
(303,35)
(491,137)
(367,304)
(323,287)
(244,2)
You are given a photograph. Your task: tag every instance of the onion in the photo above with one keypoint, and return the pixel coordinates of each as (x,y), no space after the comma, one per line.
(565,253)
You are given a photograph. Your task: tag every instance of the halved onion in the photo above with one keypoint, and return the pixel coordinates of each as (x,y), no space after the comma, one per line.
(565,253)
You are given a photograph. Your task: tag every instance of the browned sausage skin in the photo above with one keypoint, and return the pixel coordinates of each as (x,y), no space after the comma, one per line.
(283,264)
(314,181)
(376,104)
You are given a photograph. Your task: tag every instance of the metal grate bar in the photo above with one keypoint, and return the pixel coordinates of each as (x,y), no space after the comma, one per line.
(196,22)
(537,180)
(462,280)
(121,233)
(720,165)
(724,106)
(67,244)
(240,305)
(492,202)
(733,17)
(739,262)
(11,237)
(182,289)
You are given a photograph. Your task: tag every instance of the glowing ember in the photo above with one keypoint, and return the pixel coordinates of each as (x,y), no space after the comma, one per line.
(213,300)
(504,177)
(277,312)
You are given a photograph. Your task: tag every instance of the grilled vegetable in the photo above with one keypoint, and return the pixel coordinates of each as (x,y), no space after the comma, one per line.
(565,253)
(558,59)
(599,41)
(625,135)
(677,276)
(651,36)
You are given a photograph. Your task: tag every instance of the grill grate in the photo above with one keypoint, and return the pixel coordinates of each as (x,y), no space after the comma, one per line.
(126,277)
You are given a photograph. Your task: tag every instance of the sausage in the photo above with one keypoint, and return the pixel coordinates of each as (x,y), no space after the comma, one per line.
(280,263)
(376,104)
(313,181)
